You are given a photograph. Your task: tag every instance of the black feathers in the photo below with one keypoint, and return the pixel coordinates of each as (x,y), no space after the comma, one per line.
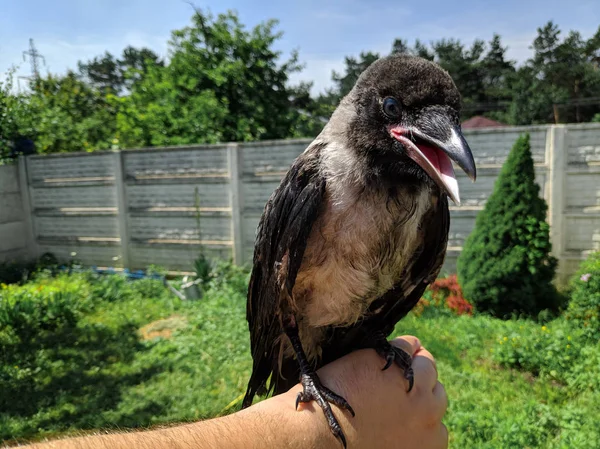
(381,229)
(421,82)
(281,239)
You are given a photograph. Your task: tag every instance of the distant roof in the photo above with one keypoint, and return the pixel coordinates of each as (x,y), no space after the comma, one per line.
(481,122)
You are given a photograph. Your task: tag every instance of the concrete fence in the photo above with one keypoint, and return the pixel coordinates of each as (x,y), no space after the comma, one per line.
(158,206)
(16,237)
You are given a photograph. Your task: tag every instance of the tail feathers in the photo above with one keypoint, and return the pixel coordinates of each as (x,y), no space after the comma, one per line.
(261,370)
(247,402)
(280,380)
(286,378)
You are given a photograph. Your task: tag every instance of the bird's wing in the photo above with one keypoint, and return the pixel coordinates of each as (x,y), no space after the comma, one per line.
(281,239)
(392,306)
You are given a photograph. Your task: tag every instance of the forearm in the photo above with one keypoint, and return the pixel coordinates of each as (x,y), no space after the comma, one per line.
(271,424)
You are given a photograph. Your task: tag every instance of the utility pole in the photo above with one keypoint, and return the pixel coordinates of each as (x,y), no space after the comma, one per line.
(34,55)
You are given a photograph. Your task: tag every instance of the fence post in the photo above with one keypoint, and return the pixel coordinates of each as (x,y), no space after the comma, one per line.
(235,200)
(122,210)
(28,212)
(556,151)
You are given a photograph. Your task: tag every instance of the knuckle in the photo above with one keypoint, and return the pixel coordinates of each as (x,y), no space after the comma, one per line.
(426,368)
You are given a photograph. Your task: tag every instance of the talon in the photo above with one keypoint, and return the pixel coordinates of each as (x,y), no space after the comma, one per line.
(410,376)
(390,357)
(402,358)
(340,436)
(313,390)
(343,404)
(350,409)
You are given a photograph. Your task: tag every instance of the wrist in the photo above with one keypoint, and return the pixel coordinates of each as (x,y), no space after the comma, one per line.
(305,428)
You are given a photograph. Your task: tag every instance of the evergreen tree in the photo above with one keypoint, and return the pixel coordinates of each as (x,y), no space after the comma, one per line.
(505,265)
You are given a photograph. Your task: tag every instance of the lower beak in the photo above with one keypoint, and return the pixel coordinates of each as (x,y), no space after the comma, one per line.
(434,144)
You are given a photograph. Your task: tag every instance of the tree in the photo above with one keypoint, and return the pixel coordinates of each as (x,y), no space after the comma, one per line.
(344,82)
(325,104)
(497,72)
(481,76)
(134,64)
(422,51)
(505,266)
(465,67)
(10,111)
(103,73)
(111,75)
(65,114)
(311,115)
(560,83)
(400,46)
(223,83)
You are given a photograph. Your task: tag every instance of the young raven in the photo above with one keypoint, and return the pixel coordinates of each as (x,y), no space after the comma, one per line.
(356,230)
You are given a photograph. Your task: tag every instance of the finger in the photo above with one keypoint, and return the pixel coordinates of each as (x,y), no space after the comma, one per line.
(440,398)
(441,437)
(408,343)
(425,353)
(425,371)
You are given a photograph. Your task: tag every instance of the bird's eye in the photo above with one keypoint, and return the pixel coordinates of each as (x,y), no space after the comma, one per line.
(391,108)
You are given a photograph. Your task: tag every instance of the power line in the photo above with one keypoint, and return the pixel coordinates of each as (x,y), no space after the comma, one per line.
(34,55)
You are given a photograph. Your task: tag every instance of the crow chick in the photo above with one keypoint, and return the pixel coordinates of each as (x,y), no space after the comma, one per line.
(356,230)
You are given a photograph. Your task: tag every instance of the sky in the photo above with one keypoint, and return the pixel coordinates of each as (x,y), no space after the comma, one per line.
(323,31)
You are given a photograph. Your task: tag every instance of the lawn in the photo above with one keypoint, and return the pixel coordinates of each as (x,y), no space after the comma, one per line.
(84,352)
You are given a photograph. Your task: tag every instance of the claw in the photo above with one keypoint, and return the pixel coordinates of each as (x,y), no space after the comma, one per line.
(340,436)
(313,390)
(402,358)
(410,376)
(390,357)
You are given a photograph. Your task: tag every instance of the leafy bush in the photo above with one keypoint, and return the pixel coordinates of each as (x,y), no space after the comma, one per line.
(551,351)
(61,366)
(203,266)
(506,266)
(583,311)
(15,272)
(226,275)
(495,408)
(443,297)
(554,352)
(566,349)
(18,272)
(139,356)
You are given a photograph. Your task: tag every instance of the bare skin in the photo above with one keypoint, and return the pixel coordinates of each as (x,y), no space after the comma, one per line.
(386,415)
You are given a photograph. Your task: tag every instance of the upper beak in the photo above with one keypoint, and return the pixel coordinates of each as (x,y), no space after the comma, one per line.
(432,143)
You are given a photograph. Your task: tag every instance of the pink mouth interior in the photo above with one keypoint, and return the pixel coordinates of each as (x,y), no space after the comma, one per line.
(442,168)
(438,159)
(433,160)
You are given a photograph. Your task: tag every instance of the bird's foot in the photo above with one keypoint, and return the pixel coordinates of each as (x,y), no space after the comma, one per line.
(314,390)
(403,359)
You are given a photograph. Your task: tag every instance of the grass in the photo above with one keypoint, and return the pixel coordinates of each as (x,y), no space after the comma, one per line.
(143,357)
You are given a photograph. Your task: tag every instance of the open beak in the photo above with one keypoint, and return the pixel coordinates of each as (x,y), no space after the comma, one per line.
(434,146)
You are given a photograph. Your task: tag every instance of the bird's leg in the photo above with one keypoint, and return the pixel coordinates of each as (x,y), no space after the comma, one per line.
(393,354)
(313,389)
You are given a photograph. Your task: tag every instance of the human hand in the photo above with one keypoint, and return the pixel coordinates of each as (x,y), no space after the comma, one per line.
(387,416)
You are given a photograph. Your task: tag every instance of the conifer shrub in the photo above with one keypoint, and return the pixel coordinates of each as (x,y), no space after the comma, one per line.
(505,267)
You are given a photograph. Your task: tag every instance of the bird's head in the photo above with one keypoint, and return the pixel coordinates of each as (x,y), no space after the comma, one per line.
(405,122)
